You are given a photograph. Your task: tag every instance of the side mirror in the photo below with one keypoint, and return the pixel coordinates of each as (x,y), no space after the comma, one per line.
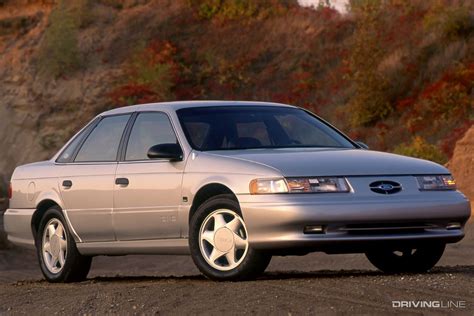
(362,145)
(172,152)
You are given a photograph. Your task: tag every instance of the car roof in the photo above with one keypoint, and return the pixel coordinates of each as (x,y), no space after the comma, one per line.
(176,105)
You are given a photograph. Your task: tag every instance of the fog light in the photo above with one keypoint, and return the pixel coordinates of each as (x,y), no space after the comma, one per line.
(314,229)
(453,226)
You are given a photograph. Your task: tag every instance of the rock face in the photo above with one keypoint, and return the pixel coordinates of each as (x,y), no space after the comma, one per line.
(462,164)
(39,114)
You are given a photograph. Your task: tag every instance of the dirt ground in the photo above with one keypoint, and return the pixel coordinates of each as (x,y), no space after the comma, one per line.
(316,283)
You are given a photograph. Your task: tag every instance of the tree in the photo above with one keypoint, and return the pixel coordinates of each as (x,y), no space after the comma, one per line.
(370,102)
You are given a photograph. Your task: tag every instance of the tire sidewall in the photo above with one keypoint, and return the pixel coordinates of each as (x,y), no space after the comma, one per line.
(422,260)
(55,212)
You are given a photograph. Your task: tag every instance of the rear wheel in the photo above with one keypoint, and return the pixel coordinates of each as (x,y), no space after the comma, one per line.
(219,242)
(408,259)
(59,259)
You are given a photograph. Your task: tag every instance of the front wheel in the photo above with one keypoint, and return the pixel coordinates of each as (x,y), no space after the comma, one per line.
(59,259)
(219,244)
(407,259)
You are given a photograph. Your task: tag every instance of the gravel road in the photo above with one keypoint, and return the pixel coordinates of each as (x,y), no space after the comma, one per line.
(316,283)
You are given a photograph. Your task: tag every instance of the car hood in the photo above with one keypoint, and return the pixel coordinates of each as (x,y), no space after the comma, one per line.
(335,162)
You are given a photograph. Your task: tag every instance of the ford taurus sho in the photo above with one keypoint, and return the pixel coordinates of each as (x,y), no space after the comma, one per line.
(232,184)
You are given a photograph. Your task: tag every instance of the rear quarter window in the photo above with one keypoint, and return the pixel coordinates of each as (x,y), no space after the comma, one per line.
(68,154)
(103,142)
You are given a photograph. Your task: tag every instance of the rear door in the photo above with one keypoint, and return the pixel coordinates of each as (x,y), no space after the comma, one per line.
(87,181)
(148,192)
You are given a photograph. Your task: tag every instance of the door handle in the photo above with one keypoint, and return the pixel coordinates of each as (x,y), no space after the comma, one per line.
(67,184)
(121,181)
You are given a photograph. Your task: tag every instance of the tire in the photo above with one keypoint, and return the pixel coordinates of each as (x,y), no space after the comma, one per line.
(59,259)
(414,260)
(234,259)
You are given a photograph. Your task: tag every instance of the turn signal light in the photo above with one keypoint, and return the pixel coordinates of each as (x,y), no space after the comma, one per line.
(265,186)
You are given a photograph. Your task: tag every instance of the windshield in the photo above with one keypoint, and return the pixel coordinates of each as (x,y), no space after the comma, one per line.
(246,127)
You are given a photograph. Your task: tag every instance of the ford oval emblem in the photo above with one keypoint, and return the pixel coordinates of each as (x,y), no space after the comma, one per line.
(385,187)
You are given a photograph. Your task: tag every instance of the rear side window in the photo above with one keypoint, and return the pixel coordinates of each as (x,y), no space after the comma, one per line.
(103,143)
(68,153)
(148,130)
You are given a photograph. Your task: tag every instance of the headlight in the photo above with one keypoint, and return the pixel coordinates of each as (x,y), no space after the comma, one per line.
(317,184)
(444,182)
(299,185)
(265,186)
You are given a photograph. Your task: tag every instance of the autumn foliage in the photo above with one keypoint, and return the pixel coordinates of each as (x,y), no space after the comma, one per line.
(398,74)
(151,75)
(447,104)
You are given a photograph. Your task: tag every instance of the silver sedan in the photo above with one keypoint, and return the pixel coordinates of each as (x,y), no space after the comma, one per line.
(232,184)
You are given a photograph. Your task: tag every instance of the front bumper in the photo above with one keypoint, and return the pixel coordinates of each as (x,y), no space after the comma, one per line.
(351,223)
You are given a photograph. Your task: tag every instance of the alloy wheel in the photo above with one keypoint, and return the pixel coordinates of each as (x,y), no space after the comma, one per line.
(223,240)
(54,246)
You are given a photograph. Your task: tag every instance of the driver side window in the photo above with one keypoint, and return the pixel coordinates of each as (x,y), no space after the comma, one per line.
(149,129)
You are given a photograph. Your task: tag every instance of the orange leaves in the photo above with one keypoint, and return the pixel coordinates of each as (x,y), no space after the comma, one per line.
(132,94)
(150,76)
(155,54)
(443,110)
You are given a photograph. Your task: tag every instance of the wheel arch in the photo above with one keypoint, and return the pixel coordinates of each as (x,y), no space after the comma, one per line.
(41,208)
(206,192)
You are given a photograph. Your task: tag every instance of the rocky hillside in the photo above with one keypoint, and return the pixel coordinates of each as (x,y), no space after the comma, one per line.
(51,85)
(38,112)
(462,164)
(404,69)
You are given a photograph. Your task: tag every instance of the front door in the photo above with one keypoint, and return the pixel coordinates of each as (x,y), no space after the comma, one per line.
(147,192)
(87,183)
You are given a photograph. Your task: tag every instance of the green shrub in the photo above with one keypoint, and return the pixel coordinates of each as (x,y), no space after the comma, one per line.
(155,67)
(452,23)
(59,52)
(420,148)
(458,23)
(370,102)
(238,8)
(208,9)
(230,9)
(151,75)
(235,9)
